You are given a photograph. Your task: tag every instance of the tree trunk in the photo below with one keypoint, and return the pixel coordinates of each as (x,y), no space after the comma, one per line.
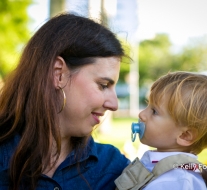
(57,6)
(104,18)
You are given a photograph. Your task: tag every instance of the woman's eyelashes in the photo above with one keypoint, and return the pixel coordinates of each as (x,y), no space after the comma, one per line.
(104,86)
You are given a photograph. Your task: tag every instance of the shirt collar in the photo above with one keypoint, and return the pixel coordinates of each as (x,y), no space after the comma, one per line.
(89,152)
(157,156)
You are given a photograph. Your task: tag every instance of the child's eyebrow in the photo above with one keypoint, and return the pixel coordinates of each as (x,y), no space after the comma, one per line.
(108,79)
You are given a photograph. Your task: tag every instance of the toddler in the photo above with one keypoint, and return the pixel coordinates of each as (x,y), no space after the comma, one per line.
(175,124)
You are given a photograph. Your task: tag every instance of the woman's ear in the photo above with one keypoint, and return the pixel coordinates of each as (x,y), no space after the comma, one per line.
(187,137)
(59,69)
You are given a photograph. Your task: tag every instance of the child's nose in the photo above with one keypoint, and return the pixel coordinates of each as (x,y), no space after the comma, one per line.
(142,116)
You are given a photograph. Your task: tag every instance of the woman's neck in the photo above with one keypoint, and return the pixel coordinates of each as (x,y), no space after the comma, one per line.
(54,161)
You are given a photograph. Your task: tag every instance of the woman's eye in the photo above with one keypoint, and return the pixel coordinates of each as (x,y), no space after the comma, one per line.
(104,86)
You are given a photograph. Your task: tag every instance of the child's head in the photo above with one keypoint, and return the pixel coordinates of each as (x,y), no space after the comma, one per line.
(185,97)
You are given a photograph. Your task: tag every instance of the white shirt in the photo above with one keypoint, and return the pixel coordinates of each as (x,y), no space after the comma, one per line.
(176,179)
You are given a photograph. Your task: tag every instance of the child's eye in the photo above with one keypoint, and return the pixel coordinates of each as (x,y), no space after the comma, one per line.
(154,112)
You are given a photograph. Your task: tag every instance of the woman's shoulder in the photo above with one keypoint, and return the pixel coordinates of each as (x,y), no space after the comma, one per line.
(109,164)
(108,147)
(7,149)
(111,155)
(102,148)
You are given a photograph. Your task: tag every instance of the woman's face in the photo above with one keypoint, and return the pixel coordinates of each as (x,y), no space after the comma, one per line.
(89,94)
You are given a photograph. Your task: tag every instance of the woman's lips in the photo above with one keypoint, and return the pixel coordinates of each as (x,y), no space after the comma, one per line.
(96,117)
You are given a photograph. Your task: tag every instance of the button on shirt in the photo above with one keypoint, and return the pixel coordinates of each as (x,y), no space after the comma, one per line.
(176,179)
(99,166)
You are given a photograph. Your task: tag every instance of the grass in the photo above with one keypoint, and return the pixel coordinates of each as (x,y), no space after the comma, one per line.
(118,133)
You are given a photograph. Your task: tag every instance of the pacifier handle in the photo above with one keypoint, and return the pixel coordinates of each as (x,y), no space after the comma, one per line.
(137,128)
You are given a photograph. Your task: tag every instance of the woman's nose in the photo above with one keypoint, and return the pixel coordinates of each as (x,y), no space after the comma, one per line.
(111,102)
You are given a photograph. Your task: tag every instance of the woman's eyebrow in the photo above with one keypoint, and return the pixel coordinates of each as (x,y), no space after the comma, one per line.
(108,79)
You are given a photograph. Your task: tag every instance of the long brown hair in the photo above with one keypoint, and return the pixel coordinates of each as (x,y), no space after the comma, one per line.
(29,102)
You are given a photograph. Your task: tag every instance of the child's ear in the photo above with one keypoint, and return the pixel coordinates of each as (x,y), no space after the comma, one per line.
(187,137)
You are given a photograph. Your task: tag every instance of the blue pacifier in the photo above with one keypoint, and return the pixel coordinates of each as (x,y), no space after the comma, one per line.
(137,128)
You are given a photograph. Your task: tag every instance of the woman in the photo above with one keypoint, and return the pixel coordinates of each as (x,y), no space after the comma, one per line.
(49,105)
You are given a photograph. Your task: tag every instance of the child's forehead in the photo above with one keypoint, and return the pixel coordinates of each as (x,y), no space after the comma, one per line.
(158,96)
(159,100)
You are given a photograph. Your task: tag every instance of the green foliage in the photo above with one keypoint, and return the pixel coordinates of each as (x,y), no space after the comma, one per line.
(14,32)
(193,57)
(125,62)
(156,58)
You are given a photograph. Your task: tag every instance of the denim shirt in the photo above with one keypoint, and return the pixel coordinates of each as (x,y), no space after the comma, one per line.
(99,167)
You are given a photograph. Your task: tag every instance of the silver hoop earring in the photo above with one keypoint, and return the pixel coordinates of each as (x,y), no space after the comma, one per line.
(64,100)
